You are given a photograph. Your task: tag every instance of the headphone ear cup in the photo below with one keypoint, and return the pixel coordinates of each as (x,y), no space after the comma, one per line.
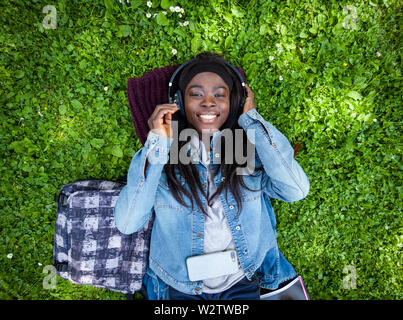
(242,102)
(179,101)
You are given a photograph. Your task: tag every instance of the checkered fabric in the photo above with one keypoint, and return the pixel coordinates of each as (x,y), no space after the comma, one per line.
(88,248)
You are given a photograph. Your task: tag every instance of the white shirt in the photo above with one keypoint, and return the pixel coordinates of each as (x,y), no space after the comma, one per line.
(217,234)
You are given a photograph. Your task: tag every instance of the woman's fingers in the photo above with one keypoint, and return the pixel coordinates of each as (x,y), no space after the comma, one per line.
(168,118)
(161,110)
(164,113)
(162,116)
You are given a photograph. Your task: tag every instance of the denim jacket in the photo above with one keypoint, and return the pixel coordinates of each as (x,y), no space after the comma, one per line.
(178,231)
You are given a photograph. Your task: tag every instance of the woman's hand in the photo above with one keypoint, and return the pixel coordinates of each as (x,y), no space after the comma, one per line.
(160,120)
(250,100)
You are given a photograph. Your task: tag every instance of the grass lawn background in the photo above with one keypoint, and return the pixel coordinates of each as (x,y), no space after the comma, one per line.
(333,84)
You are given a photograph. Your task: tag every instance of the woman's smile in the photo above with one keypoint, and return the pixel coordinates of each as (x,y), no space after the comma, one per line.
(208,117)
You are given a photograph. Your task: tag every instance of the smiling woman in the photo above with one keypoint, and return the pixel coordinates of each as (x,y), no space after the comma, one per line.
(213,102)
(214,231)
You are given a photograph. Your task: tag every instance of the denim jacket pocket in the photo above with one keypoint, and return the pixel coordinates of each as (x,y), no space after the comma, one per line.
(248,196)
(163,182)
(254,183)
(164,199)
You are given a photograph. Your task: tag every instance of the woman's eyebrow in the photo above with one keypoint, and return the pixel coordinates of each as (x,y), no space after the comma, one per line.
(199,86)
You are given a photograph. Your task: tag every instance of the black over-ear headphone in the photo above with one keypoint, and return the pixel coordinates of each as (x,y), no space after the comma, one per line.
(178,96)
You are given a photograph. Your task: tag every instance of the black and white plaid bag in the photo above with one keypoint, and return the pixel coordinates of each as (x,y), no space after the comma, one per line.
(88,248)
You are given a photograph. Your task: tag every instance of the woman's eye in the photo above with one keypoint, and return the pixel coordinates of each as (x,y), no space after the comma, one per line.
(198,94)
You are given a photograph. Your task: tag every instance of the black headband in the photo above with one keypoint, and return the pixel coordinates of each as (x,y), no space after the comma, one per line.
(217,68)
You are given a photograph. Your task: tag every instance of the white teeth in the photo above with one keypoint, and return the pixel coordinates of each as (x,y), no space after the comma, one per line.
(207,116)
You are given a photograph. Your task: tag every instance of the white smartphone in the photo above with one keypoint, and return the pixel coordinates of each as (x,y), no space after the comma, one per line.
(212,265)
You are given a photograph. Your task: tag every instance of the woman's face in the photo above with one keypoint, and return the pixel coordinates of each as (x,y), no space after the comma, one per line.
(207,102)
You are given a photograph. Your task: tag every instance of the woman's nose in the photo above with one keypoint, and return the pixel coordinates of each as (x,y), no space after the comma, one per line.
(209,101)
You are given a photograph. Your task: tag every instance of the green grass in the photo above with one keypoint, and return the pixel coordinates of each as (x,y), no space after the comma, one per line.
(337,97)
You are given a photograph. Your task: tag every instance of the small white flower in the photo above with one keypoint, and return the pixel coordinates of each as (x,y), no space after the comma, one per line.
(375,120)
(182,11)
(278,27)
(174,51)
(271,58)
(106,88)
(172,9)
(281,77)
(39,264)
(277,45)
(149,4)
(10,255)
(180,15)
(186,23)
(40,113)
(164,13)
(148,15)
(378,54)
(177,9)
(180,23)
